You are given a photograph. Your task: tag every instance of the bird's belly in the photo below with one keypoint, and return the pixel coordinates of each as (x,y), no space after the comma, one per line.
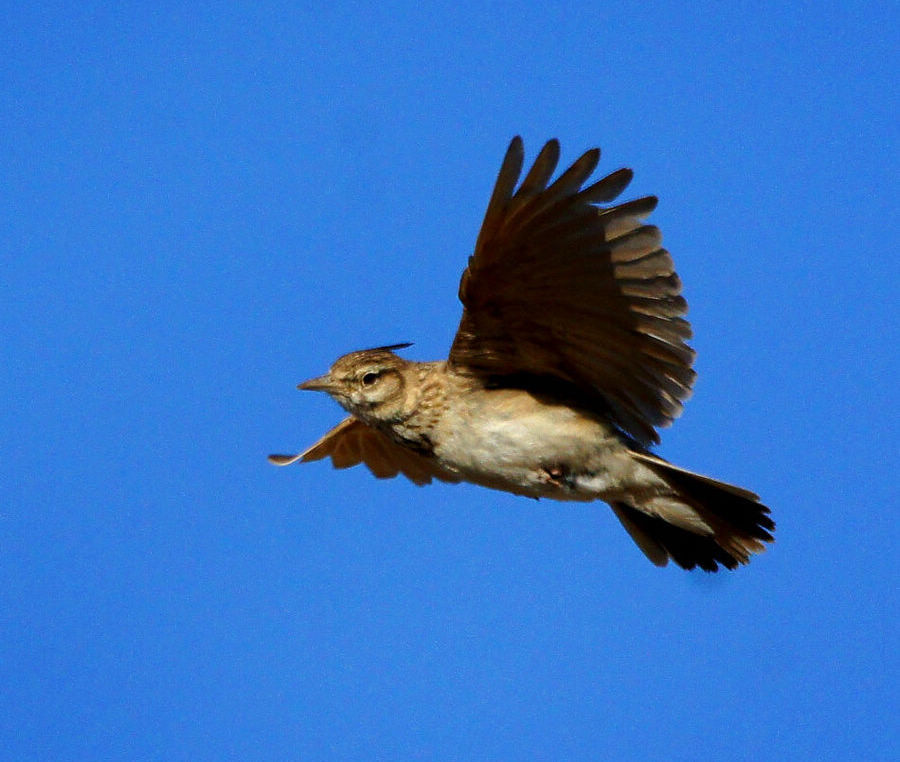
(512,442)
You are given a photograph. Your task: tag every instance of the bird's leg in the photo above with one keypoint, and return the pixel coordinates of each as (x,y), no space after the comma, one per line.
(557,475)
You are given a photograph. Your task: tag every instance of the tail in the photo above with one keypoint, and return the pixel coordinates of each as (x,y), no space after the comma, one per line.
(702,522)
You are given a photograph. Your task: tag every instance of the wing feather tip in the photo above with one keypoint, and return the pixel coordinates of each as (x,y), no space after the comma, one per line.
(283,460)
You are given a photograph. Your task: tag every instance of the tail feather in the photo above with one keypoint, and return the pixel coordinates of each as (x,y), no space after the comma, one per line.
(652,548)
(702,522)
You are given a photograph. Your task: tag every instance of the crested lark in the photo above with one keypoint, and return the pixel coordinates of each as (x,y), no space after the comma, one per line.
(570,352)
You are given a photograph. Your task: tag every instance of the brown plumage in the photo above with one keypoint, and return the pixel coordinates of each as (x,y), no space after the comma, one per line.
(570,353)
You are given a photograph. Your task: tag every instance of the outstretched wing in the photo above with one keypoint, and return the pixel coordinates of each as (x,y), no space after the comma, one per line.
(561,287)
(352,442)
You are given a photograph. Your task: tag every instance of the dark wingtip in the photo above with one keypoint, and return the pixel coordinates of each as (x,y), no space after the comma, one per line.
(283,460)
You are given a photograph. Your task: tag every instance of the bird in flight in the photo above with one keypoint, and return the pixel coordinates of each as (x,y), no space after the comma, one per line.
(570,353)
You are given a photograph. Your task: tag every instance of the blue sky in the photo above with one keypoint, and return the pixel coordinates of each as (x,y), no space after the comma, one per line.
(203,206)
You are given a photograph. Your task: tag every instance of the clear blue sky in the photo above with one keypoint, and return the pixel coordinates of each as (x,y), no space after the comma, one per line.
(200,207)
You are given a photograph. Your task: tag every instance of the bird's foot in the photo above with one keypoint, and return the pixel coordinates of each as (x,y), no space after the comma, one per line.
(558,476)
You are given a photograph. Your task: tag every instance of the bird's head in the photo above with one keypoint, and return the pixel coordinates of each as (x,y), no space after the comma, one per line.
(370,384)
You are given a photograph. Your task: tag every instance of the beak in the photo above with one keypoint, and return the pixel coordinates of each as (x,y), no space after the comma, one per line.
(320,384)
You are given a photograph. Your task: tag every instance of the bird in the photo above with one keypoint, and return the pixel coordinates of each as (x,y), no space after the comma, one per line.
(570,353)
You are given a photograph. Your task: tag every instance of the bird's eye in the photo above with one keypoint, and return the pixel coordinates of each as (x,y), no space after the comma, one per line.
(369,379)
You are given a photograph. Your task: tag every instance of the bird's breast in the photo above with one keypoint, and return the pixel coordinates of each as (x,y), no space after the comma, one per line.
(512,440)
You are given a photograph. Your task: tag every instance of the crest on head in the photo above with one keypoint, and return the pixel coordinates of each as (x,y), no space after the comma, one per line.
(384,354)
(389,347)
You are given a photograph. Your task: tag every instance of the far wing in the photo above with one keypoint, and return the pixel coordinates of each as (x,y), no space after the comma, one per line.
(352,442)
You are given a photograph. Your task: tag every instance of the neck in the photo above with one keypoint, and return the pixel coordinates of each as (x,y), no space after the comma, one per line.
(423,407)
